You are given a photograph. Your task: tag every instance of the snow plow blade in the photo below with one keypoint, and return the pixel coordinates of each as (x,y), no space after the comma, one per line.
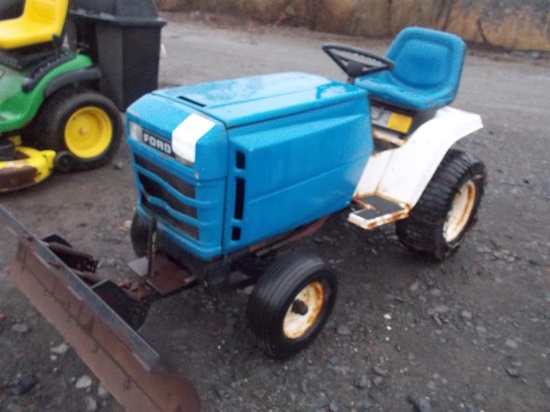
(122,360)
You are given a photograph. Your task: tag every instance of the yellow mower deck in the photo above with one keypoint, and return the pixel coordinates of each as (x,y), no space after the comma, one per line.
(128,367)
(30,167)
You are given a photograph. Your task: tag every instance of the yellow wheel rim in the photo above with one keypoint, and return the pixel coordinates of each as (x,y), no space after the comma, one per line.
(304,311)
(461,210)
(88,132)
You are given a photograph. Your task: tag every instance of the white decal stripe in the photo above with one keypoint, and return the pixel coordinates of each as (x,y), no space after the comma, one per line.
(186,135)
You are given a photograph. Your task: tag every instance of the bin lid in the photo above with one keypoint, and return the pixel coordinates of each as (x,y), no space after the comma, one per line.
(117,8)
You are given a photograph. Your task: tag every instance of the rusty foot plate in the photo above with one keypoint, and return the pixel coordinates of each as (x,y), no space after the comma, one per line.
(128,367)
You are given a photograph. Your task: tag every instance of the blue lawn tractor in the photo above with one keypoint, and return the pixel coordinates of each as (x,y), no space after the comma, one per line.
(230,173)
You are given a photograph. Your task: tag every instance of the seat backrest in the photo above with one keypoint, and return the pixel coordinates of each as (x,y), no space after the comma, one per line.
(49,12)
(427,59)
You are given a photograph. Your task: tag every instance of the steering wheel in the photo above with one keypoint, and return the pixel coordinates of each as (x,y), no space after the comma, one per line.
(357,62)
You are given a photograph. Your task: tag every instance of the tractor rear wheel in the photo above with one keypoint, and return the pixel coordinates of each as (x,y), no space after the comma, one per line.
(447,210)
(291,303)
(82,122)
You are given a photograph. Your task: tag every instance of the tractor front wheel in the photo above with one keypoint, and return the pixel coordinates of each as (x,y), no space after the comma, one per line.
(139,235)
(439,222)
(82,122)
(291,303)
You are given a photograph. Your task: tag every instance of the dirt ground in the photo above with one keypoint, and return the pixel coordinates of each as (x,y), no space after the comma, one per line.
(469,334)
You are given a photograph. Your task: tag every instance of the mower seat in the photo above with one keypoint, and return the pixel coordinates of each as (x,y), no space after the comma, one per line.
(428,65)
(40,22)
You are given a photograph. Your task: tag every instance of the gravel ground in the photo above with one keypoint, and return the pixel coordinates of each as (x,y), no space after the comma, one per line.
(469,334)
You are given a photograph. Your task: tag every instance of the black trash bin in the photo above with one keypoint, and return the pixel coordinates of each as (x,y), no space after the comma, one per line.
(123,39)
(10,9)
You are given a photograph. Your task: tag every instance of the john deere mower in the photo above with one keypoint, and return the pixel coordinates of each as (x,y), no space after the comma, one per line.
(67,69)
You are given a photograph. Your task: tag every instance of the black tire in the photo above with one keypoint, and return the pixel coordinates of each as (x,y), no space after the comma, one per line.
(273,301)
(139,235)
(447,209)
(62,110)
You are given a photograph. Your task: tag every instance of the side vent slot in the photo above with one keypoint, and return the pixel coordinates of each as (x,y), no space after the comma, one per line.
(240,160)
(240,163)
(236,234)
(239,199)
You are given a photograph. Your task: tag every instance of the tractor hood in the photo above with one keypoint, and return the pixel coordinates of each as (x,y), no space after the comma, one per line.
(249,100)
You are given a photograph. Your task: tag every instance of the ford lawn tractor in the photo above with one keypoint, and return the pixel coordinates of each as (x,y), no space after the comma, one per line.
(230,174)
(66,69)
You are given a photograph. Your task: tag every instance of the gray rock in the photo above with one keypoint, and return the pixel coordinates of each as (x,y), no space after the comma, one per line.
(248,290)
(363,383)
(377,380)
(547,382)
(380,372)
(91,404)
(480,329)
(421,404)
(512,372)
(60,349)
(411,359)
(343,330)
(333,406)
(364,405)
(479,397)
(102,392)
(435,293)
(83,382)
(20,328)
(511,343)
(441,309)
(466,315)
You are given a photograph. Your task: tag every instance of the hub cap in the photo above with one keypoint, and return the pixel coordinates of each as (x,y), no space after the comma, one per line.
(304,311)
(461,210)
(88,132)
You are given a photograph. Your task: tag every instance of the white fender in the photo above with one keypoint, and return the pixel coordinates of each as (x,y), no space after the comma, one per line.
(403,173)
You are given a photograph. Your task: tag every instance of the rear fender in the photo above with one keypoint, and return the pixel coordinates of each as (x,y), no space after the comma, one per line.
(77,76)
(403,173)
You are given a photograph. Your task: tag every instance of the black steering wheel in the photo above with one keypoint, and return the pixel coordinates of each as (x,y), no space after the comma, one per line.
(357,62)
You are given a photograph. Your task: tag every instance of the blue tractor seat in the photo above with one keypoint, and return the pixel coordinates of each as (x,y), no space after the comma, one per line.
(428,66)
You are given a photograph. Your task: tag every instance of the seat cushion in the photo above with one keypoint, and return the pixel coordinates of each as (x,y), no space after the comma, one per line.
(428,66)
(40,21)
(382,87)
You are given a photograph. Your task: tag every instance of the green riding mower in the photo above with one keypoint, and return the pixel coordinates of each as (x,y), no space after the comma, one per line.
(67,70)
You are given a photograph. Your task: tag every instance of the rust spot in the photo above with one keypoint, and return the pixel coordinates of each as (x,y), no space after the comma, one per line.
(12,178)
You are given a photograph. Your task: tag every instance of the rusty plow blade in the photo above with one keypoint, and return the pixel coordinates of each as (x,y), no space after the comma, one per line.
(127,366)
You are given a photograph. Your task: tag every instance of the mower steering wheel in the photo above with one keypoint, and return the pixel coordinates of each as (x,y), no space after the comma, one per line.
(357,62)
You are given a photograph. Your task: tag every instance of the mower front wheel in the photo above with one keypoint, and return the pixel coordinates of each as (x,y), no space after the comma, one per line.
(291,303)
(82,122)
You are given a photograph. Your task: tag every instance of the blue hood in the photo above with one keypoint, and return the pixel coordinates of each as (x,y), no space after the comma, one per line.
(254,99)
